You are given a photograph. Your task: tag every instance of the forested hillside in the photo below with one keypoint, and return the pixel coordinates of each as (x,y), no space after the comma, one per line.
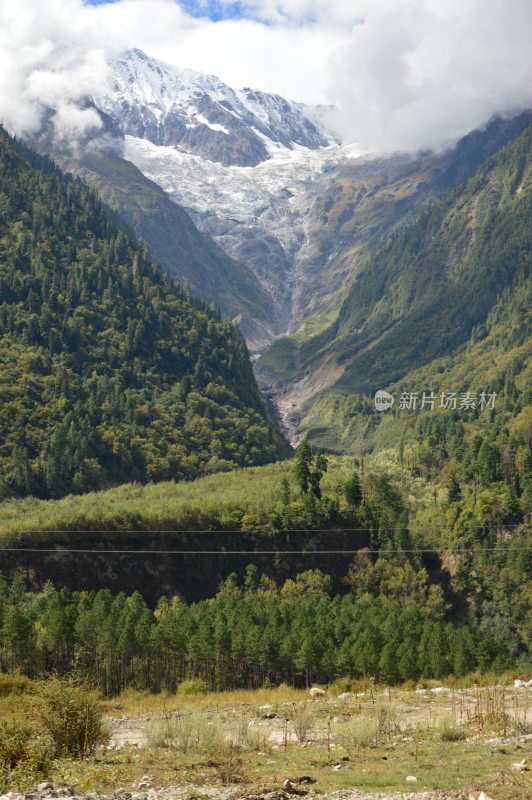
(423,293)
(110,371)
(496,359)
(422,296)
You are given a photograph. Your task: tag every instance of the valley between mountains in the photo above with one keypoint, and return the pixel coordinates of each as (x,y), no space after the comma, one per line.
(285,225)
(230,566)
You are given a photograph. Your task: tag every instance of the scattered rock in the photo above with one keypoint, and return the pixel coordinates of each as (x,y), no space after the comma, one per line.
(276,795)
(345,695)
(337,766)
(478,795)
(439,690)
(287,785)
(306,779)
(520,766)
(411,779)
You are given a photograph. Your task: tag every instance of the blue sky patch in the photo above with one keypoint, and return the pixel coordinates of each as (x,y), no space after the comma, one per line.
(213,9)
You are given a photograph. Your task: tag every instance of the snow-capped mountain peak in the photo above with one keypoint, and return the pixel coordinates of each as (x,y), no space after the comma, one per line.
(200,114)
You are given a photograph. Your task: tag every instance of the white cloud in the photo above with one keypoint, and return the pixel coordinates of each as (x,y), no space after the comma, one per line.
(421,73)
(403,73)
(290,62)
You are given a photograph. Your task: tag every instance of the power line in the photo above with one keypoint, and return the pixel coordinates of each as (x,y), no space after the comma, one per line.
(236,530)
(65,550)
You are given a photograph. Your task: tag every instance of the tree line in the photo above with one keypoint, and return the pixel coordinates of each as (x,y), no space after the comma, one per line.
(391,623)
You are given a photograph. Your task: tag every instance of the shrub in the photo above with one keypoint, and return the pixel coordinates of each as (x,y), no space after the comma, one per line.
(181,733)
(196,732)
(251,737)
(24,753)
(162,732)
(184,733)
(358,733)
(69,713)
(303,718)
(14,737)
(14,683)
(226,757)
(340,685)
(192,686)
(248,736)
(449,732)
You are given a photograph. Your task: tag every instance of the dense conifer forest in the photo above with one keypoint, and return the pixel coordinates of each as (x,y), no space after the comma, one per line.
(110,371)
(392,625)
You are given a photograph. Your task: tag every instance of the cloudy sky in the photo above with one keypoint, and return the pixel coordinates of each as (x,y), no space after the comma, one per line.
(403,74)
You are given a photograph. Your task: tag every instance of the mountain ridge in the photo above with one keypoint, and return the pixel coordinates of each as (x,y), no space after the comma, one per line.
(201,114)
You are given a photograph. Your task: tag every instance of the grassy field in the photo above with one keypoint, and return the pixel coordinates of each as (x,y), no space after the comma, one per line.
(455,739)
(225,499)
(187,504)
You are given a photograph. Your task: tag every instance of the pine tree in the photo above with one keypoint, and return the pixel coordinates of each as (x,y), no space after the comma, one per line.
(353,490)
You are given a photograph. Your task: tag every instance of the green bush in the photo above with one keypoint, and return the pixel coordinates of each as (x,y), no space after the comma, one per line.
(221,745)
(227,758)
(185,733)
(14,737)
(70,714)
(303,718)
(13,683)
(25,753)
(248,736)
(181,733)
(192,687)
(450,732)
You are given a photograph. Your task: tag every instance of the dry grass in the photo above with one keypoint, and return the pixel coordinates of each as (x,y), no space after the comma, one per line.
(457,766)
(134,703)
(387,734)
